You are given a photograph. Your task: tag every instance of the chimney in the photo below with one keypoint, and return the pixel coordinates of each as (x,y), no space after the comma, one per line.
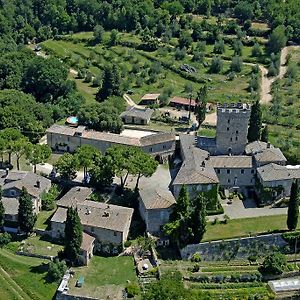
(38,184)
(268,145)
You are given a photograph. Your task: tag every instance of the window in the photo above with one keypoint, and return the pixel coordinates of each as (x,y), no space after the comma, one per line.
(252,171)
(237,132)
(151,149)
(228,121)
(228,171)
(92,229)
(227,128)
(218,171)
(236,138)
(231,139)
(242,171)
(12,193)
(115,233)
(164,146)
(228,180)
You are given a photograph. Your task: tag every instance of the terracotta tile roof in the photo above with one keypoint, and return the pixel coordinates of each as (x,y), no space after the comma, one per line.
(195,168)
(113,138)
(74,196)
(156,199)
(98,215)
(182,101)
(87,241)
(226,161)
(150,97)
(274,172)
(255,147)
(270,155)
(19,179)
(143,113)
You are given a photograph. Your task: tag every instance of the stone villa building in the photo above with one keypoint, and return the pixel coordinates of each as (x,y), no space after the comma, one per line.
(160,145)
(108,224)
(229,161)
(12,183)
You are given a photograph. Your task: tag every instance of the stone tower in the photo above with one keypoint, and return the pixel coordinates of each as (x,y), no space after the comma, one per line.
(232,128)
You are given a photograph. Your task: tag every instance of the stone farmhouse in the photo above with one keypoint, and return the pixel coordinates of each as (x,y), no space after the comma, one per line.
(65,138)
(12,183)
(139,116)
(108,224)
(155,207)
(150,99)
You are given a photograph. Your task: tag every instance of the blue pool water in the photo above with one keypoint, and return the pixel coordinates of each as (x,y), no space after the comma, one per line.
(73,120)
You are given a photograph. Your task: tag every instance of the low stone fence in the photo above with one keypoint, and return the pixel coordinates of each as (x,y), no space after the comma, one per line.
(49,257)
(239,248)
(42,232)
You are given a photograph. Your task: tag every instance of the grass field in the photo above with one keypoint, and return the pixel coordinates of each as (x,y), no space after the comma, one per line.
(38,245)
(80,53)
(244,227)
(104,275)
(24,278)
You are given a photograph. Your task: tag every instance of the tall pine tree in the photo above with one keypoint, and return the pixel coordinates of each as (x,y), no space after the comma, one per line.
(26,214)
(73,234)
(110,85)
(255,122)
(293,208)
(2,211)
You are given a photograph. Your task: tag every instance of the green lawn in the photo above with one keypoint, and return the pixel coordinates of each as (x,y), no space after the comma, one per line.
(243,227)
(104,275)
(38,245)
(43,218)
(27,273)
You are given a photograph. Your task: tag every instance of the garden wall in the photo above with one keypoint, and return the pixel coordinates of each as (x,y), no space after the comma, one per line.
(240,248)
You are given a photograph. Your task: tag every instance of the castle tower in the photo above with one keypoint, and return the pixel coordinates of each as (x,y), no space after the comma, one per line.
(232,128)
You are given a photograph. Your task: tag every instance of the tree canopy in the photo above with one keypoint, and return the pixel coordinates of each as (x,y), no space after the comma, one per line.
(255,122)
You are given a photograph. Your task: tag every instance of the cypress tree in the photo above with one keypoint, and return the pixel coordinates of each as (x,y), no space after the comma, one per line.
(255,122)
(26,215)
(110,83)
(2,211)
(293,208)
(200,109)
(183,203)
(265,134)
(198,219)
(73,234)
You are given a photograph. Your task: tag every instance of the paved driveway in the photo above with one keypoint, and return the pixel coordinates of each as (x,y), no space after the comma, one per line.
(247,209)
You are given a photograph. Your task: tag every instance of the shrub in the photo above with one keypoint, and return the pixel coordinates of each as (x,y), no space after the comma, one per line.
(252,258)
(196,257)
(274,264)
(132,289)
(56,270)
(216,65)
(5,238)
(127,244)
(196,268)
(48,199)
(226,219)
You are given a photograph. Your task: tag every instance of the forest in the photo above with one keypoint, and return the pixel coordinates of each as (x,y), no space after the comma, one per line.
(148,41)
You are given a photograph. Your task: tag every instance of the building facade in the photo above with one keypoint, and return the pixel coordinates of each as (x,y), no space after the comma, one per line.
(64,138)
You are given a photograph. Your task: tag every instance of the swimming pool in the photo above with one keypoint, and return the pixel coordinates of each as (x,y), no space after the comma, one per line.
(72,120)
